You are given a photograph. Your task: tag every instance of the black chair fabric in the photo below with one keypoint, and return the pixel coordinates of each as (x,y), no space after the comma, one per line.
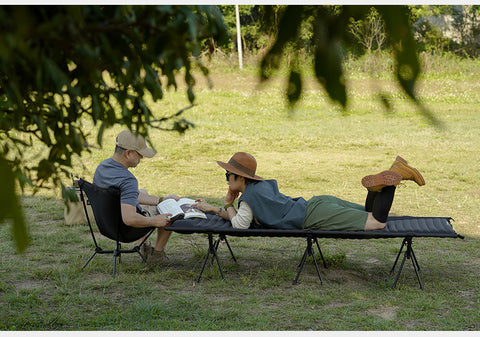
(108,216)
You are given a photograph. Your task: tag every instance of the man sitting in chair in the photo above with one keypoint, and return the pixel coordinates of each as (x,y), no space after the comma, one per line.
(138,207)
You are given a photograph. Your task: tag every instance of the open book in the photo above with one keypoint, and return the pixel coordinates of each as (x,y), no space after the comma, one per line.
(180,207)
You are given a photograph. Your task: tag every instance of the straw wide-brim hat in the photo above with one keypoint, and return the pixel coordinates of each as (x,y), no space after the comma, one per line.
(242,164)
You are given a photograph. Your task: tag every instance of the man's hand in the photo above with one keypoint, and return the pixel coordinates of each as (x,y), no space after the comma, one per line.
(161,220)
(132,218)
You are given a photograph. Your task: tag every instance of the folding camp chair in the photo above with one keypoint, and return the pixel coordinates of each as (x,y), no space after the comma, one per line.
(107,212)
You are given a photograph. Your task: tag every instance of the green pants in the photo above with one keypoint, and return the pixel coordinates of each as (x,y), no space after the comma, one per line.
(327,212)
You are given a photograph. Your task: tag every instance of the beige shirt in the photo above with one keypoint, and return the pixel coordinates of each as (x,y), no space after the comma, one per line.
(244,216)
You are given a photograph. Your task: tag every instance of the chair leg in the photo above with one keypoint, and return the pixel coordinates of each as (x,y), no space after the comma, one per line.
(117,253)
(98,249)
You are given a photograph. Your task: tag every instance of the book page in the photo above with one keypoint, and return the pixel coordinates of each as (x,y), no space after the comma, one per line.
(185,201)
(190,212)
(169,206)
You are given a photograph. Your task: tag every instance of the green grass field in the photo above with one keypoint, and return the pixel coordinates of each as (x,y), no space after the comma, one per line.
(316,149)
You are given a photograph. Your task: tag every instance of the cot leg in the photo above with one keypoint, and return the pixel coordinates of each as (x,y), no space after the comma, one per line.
(321,255)
(229,248)
(398,255)
(308,252)
(414,259)
(409,254)
(211,250)
(217,244)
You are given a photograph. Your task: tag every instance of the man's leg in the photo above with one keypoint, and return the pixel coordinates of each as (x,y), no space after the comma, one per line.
(155,254)
(162,239)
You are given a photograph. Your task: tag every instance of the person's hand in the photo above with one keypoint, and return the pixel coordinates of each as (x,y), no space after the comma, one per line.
(172,196)
(231,196)
(203,205)
(161,220)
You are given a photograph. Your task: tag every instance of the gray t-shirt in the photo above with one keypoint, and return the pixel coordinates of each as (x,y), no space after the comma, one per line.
(113,174)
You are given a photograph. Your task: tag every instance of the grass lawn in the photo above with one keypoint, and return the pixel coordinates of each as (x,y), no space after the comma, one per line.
(316,149)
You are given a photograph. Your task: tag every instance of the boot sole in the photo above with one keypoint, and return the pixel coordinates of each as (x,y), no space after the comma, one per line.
(378,181)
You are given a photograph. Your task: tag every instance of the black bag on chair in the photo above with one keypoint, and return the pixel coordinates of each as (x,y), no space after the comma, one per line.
(106,208)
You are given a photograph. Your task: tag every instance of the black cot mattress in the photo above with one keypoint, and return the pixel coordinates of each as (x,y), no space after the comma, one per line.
(397,226)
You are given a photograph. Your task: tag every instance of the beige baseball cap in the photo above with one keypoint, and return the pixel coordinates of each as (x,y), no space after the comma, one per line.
(129,140)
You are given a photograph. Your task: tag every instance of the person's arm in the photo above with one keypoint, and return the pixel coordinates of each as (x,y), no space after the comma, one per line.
(147,199)
(132,218)
(241,219)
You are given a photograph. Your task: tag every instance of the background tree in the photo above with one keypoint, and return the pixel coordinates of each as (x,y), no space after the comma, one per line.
(466,21)
(66,64)
(253,38)
(369,31)
(429,36)
(331,38)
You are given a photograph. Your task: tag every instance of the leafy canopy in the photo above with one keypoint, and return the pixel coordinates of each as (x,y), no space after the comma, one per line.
(65,64)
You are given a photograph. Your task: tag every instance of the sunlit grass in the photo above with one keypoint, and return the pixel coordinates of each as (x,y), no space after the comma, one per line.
(316,149)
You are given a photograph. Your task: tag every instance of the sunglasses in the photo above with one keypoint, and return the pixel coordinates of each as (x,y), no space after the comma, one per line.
(228,174)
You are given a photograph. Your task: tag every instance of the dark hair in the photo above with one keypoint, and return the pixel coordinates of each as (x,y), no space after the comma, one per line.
(247,180)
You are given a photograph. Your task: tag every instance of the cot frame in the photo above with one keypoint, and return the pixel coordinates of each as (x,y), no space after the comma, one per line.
(395,229)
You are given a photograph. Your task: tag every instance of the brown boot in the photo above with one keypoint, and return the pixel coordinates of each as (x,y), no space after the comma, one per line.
(378,181)
(146,249)
(158,257)
(406,171)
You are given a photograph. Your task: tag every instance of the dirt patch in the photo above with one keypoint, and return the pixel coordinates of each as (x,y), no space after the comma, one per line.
(385,312)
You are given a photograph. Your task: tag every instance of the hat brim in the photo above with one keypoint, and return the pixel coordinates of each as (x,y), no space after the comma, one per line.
(232,169)
(147,152)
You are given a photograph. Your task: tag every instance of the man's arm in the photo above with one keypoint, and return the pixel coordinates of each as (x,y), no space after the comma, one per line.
(132,218)
(147,199)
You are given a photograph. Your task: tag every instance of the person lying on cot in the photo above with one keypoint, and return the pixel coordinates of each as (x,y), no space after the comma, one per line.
(262,202)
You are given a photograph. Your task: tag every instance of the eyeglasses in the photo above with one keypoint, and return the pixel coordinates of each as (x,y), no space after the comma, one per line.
(228,174)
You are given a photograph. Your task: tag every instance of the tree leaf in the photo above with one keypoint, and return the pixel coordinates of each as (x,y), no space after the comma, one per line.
(288,30)
(294,88)
(329,72)
(11,208)
(407,66)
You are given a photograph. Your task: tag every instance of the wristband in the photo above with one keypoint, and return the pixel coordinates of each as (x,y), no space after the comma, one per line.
(227,206)
(219,211)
